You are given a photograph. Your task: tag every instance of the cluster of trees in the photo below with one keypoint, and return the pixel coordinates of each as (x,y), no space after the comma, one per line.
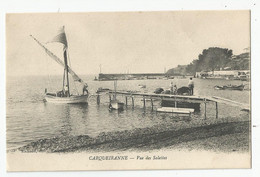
(240,62)
(213,59)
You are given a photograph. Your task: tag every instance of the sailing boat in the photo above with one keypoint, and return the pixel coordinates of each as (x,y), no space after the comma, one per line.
(116,104)
(64,96)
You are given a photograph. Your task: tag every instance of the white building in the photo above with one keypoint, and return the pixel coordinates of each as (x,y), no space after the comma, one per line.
(223,73)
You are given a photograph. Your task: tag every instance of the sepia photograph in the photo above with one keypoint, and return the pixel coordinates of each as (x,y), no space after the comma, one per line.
(128,90)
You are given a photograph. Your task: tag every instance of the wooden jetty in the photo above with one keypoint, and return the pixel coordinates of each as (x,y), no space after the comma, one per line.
(174,98)
(165,97)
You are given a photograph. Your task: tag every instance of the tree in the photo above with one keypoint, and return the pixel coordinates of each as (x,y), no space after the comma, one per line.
(240,62)
(211,59)
(215,58)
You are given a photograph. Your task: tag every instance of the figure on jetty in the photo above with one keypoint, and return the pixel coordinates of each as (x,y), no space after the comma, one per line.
(191,86)
(173,88)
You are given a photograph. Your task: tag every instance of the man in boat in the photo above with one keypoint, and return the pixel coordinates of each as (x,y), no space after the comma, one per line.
(60,94)
(66,90)
(85,89)
(191,86)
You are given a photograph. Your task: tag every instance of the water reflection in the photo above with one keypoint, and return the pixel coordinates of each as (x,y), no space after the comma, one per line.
(66,120)
(70,119)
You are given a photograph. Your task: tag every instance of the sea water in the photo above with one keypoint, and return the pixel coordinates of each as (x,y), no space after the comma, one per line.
(29,118)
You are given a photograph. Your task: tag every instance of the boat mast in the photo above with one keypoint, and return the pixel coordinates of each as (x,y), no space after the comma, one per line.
(66,72)
(115,85)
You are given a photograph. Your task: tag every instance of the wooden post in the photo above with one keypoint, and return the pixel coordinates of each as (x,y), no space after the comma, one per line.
(205,112)
(109,98)
(216,110)
(133,103)
(98,99)
(175,102)
(126,101)
(144,101)
(152,103)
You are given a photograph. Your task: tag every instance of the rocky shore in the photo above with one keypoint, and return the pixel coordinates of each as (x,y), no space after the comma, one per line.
(219,135)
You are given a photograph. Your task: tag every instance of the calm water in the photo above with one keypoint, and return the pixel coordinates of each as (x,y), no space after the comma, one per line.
(30,119)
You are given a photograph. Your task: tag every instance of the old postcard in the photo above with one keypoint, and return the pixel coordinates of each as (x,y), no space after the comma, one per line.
(128,90)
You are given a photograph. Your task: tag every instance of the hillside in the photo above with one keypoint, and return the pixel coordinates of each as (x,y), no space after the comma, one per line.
(213,59)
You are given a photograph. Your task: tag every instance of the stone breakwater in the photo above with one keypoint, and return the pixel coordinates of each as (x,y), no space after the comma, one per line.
(156,137)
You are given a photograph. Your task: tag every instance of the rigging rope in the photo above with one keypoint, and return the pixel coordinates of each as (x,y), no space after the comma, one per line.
(47,69)
(72,78)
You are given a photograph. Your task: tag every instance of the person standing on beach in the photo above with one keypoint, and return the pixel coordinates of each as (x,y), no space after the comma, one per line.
(191,85)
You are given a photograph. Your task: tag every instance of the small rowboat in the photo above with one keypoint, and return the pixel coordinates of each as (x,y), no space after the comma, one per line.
(100,89)
(141,86)
(116,104)
(230,87)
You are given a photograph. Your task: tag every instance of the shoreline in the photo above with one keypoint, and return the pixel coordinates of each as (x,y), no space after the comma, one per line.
(224,136)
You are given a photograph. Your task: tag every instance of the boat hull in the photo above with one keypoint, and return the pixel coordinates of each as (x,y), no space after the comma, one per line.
(116,105)
(74,99)
(239,87)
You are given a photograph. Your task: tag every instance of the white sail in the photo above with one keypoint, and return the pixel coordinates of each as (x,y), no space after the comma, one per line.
(59,61)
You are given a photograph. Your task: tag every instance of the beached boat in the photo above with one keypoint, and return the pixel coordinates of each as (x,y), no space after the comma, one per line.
(65,95)
(230,87)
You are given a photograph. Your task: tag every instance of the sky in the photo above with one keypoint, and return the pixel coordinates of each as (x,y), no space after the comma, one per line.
(121,42)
